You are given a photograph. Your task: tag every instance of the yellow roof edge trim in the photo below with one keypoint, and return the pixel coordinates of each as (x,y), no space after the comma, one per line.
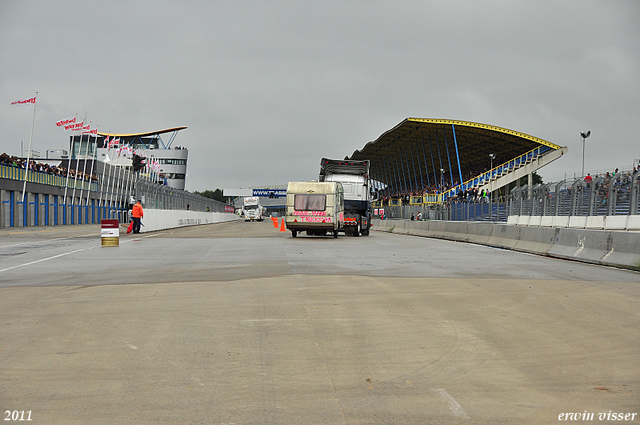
(486,127)
(150,133)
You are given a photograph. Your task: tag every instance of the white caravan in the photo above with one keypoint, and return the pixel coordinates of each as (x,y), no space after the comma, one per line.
(315,207)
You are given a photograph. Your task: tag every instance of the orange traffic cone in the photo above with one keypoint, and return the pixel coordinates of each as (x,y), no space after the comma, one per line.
(282,229)
(275,222)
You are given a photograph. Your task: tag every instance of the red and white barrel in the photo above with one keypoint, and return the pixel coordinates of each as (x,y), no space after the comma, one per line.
(110,232)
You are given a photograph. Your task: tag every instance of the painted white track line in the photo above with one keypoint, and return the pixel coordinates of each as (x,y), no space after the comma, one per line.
(455,408)
(48,240)
(67,253)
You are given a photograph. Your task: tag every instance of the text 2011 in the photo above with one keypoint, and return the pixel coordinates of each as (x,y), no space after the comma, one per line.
(17,415)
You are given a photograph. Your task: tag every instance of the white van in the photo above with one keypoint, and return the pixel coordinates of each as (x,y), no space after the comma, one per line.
(315,207)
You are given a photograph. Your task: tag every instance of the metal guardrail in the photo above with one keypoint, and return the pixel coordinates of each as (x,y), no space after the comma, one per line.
(156,196)
(457,211)
(15,173)
(617,195)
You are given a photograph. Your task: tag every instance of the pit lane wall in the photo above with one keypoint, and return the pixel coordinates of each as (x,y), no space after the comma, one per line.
(170,219)
(618,248)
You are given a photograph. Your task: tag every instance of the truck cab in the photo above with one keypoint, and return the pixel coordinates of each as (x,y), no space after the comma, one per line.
(252,209)
(358,197)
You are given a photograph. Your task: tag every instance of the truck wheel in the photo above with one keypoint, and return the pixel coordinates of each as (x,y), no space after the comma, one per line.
(335,234)
(294,233)
(365,232)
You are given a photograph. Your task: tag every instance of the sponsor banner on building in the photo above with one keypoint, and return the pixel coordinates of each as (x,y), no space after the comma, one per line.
(271,193)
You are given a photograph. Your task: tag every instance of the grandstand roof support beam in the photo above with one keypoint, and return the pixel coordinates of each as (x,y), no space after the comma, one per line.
(435,177)
(419,165)
(408,187)
(408,170)
(404,177)
(394,178)
(385,168)
(173,136)
(381,175)
(392,184)
(426,166)
(446,145)
(376,172)
(455,141)
(379,170)
(440,158)
(399,171)
(396,169)
(387,176)
(415,176)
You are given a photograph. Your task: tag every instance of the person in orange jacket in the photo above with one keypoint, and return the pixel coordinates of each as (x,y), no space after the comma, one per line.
(137,214)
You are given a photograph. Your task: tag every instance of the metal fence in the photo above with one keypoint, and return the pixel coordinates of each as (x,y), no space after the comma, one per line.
(159,197)
(614,195)
(454,211)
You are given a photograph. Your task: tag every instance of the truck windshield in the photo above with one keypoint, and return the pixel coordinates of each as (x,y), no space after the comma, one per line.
(250,207)
(310,202)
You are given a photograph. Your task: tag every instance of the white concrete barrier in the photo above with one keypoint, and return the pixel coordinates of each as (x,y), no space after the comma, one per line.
(634,222)
(618,248)
(595,222)
(546,221)
(560,221)
(616,222)
(577,222)
(535,221)
(169,219)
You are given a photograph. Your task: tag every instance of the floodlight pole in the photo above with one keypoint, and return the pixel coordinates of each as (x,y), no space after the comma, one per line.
(584,136)
(491,156)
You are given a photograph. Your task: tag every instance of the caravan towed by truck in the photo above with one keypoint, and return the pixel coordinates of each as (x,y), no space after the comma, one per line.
(315,207)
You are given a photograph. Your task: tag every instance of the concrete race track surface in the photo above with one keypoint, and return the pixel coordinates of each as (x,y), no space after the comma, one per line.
(239,323)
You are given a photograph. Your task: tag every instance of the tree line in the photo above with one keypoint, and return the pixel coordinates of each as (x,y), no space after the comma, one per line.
(214,194)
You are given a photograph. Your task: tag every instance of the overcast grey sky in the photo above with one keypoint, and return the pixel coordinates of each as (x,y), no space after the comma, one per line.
(267,88)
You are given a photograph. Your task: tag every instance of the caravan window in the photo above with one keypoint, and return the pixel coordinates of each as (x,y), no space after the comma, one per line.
(310,202)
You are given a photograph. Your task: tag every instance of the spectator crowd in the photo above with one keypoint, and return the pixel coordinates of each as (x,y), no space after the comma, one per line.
(39,167)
